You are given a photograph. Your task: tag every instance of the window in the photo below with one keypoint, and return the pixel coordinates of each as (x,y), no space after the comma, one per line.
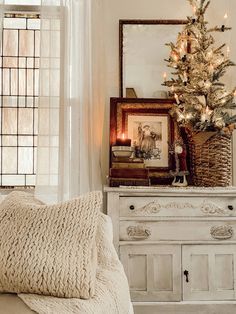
(19,90)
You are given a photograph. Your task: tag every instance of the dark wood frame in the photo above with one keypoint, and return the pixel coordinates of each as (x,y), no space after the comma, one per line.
(142,22)
(120,108)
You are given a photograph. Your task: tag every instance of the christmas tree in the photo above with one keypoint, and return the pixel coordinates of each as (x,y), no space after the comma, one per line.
(202,100)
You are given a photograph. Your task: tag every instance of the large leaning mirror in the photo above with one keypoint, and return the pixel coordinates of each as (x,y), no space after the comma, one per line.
(142,54)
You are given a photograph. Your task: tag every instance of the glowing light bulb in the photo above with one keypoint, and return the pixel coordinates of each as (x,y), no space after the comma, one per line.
(206,115)
(208,84)
(209,54)
(164,76)
(234,95)
(225,16)
(188,116)
(227,51)
(185,77)
(194,9)
(203,117)
(208,111)
(174,56)
(211,68)
(177,99)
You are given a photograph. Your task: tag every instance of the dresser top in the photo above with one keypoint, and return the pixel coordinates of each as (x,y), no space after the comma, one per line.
(169,190)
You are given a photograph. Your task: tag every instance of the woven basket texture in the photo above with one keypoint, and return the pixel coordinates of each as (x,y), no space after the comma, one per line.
(210,159)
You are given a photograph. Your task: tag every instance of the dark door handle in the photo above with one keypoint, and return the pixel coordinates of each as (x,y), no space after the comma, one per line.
(186,274)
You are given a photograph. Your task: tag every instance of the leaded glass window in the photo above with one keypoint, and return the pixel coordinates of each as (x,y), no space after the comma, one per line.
(19,90)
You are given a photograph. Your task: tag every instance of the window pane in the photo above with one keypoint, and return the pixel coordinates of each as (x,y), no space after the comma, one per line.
(25,160)
(9,140)
(10,43)
(30,101)
(9,123)
(22,87)
(30,82)
(37,44)
(21,101)
(13,180)
(33,24)
(26,47)
(25,124)
(9,101)
(6,89)
(14,82)
(22,62)
(30,63)
(10,62)
(15,23)
(25,141)
(30,179)
(9,160)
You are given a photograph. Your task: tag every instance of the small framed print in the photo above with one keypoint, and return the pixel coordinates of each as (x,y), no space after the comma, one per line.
(151,129)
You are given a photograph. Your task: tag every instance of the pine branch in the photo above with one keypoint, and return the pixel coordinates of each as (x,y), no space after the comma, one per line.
(219,49)
(219,29)
(206,7)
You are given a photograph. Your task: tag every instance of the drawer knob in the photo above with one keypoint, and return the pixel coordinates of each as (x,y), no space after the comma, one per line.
(230,207)
(131,207)
(138,232)
(222,232)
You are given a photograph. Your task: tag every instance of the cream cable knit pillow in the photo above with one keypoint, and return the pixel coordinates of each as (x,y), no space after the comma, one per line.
(49,249)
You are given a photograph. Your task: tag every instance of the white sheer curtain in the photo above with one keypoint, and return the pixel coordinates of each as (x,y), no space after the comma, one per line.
(71,106)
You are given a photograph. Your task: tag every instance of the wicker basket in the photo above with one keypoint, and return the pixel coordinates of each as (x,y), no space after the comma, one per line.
(210,159)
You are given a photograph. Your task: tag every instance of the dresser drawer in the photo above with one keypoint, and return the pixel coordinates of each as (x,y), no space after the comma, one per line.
(177,206)
(178,230)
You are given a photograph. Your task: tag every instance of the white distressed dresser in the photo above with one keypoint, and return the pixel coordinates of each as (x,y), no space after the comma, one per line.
(177,246)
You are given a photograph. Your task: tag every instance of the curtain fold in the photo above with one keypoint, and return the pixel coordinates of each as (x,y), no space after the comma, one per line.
(71,106)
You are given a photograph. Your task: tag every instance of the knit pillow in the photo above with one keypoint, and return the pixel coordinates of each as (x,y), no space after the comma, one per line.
(49,249)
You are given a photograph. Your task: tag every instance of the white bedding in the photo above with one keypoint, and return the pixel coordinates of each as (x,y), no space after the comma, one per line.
(111,290)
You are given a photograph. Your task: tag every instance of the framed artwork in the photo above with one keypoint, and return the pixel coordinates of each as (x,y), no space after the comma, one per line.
(151,129)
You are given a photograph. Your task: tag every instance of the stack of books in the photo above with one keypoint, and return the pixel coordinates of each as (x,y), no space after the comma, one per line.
(128,171)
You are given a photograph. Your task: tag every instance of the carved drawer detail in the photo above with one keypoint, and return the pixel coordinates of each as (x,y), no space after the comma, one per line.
(179,207)
(151,208)
(155,207)
(222,232)
(212,209)
(138,232)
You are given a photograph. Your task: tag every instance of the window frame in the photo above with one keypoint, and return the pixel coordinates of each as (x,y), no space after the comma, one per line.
(18,9)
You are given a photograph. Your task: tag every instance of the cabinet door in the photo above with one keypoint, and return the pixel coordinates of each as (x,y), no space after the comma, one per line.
(211,272)
(153,271)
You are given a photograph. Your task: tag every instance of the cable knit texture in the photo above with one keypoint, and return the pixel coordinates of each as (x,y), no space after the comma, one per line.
(49,249)
(111,290)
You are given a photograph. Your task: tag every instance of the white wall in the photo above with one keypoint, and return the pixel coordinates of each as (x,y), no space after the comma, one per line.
(114,10)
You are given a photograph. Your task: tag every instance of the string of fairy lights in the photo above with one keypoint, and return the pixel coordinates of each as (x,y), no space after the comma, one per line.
(203,103)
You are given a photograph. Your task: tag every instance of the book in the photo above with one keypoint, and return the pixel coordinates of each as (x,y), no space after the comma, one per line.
(127,159)
(137,173)
(116,182)
(118,165)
